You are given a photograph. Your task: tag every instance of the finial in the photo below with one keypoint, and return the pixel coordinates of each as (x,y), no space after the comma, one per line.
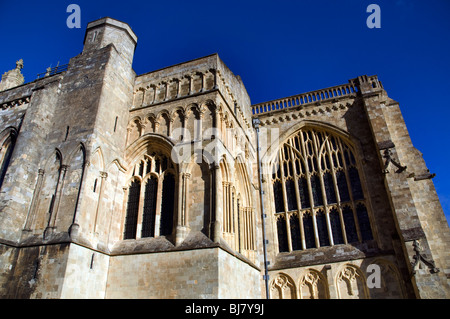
(19,64)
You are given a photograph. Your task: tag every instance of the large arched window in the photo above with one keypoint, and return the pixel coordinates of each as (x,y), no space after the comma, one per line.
(318,196)
(151,198)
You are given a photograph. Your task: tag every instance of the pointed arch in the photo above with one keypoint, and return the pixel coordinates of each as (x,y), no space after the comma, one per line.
(313,285)
(150,123)
(243,180)
(7,142)
(98,159)
(178,124)
(351,283)
(72,187)
(46,192)
(282,287)
(193,123)
(134,129)
(391,282)
(152,188)
(315,172)
(163,123)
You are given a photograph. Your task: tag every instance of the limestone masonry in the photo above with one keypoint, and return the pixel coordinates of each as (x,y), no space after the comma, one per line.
(171,184)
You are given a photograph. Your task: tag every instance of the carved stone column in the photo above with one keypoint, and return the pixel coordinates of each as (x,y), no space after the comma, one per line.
(103,176)
(215,207)
(182,229)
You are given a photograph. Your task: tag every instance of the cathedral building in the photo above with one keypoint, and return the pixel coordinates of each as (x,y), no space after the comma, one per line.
(172,184)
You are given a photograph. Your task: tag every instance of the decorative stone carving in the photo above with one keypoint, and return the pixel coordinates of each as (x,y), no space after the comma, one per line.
(419,257)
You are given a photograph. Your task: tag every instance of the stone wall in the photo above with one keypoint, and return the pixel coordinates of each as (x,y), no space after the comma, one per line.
(201,273)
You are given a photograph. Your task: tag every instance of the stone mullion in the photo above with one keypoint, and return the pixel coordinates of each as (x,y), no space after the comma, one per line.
(316,155)
(336,191)
(286,209)
(283,180)
(181,218)
(225,207)
(297,195)
(140,209)
(218,213)
(158,205)
(308,181)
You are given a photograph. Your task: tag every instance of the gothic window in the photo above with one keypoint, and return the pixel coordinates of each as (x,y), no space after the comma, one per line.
(153,176)
(318,193)
(132,210)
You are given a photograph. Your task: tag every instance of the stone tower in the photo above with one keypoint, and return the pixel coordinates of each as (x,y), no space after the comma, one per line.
(117,185)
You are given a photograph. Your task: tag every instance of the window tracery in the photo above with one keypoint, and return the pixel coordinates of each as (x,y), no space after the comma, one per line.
(153,178)
(318,196)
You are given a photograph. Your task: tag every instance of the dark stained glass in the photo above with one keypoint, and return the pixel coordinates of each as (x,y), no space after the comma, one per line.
(342,186)
(290,194)
(164,164)
(336,228)
(329,188)
(278,195)
(149,166)
(364,223)
(304,194)
(328,182)
(132,210)
(355,183)
(157,165)
(316,190)
(282,234)
(141,169)
(322,229)
(349,222)
(167,206)
(308,230)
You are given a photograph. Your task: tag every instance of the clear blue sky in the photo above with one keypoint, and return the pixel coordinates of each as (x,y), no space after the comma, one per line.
(279,48)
